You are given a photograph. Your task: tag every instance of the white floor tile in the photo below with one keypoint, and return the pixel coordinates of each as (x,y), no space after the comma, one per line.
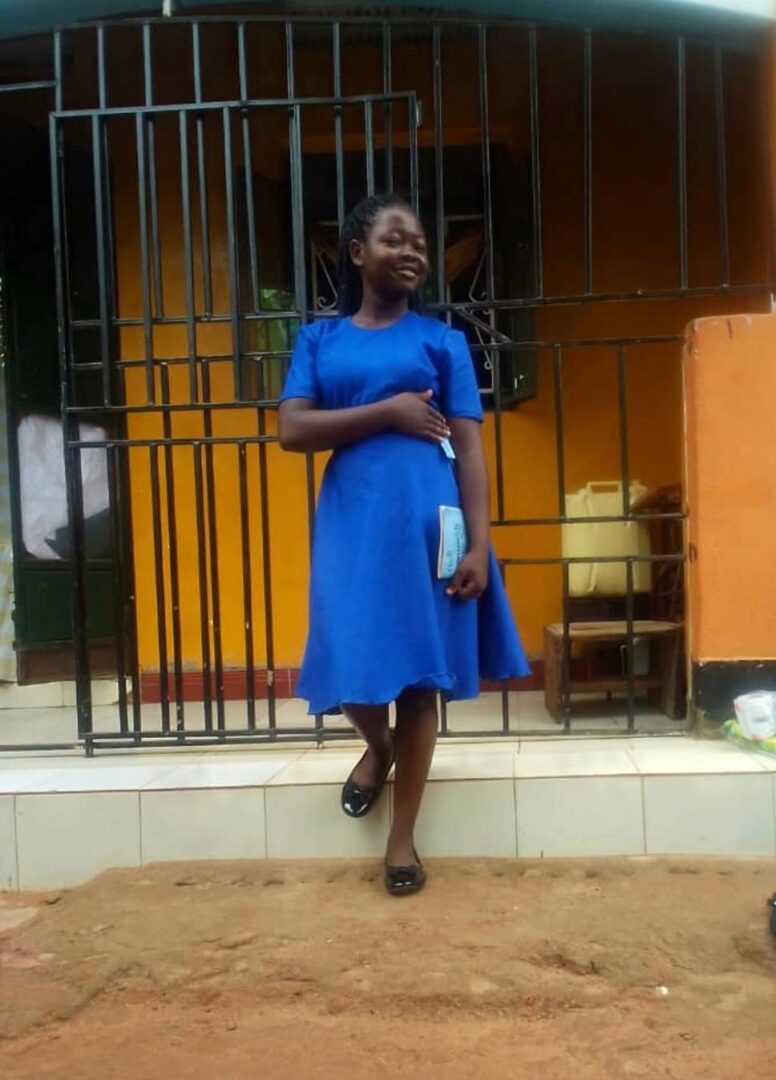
(468,818)
(710,815)
(66,839)
(38,726)
(568,744)
(579,816)
(490,761)
(691,756)
(104,692)
(327,766)
(14,778)
(573,762)
(219,772)
(99,777)
(307,822)
(8,878)
(37,696)
(225,824)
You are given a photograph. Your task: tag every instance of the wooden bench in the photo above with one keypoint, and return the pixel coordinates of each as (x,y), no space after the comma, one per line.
(664,683)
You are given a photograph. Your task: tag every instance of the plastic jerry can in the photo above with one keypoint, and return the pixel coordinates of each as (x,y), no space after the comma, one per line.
(601,539)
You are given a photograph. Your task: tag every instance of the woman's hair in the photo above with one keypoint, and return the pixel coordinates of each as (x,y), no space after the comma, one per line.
(357,224)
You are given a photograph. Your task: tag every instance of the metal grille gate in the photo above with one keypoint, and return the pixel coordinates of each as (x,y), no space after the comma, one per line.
(128,371)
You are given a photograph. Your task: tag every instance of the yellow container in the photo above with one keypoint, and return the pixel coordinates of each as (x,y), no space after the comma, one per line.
(605,539)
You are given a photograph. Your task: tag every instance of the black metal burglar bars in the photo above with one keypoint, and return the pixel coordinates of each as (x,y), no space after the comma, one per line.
(226,180)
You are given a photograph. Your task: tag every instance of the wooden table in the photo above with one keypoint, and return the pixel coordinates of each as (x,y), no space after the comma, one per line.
(663,684)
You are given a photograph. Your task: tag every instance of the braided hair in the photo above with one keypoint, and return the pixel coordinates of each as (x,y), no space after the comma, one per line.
(356,226)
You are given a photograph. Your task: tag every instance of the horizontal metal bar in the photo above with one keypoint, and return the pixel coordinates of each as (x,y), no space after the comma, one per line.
(145,740)
(181,320)
(605,298)
(20,88)
(397,18)
(20,748)
(198,406)
(566,520)
(222,440)
(470,306)
(197,107)
(560,560)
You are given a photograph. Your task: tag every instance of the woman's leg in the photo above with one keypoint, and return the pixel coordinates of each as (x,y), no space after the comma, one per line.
(371,722)
(416,732)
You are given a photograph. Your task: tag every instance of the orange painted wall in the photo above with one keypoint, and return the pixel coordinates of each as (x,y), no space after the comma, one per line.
(634,230)
(730,366)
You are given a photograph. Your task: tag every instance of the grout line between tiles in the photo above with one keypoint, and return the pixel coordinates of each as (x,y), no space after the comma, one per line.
(16,844)
(514,815)
(643,812)
(141,840)
(266,820)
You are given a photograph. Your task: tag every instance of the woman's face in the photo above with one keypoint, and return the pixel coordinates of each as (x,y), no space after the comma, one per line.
(393,257)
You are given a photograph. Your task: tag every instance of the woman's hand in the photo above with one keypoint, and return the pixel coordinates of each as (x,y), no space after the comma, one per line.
(471,578)
(411,414)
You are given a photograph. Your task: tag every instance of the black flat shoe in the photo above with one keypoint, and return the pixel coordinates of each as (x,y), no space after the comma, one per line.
(356,800)
(404,880)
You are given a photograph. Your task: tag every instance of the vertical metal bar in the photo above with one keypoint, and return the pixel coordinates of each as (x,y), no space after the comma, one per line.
(587,123)
(290,75)
(172,537)
(297,210)
(487,207)
(248,171)
(443,722)
(369,148)
(156,249)
(99,220)
(560,450)
(129,578)
(188,255)
(102,84)
(338,124)
(297,192)
(414,118)
(266,560)
(622,377)
(536,170)
(148,343)
(70,434)
(310,487)
(565,680)
(161,601)
(388,114)
(231,247)
(298,236)
(504,684)
(245,535)
(204,215)
(681,154)
(204,604)
(59,89)
(439,165)
(722,187)
(119,614)
(495,360)
(212,531)
(630,643)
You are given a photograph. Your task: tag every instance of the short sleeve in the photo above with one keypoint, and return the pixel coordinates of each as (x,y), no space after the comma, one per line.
(301,380)
(460,395)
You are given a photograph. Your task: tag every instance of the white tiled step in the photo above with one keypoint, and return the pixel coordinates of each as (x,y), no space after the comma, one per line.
(63,819)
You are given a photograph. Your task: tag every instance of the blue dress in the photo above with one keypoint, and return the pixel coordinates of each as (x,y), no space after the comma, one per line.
(380,619)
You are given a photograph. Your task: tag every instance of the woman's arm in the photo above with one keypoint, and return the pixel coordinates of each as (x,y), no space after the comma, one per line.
(303,427)
(471,577)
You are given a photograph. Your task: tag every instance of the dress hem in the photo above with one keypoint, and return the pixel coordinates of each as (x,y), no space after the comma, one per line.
(443,683)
